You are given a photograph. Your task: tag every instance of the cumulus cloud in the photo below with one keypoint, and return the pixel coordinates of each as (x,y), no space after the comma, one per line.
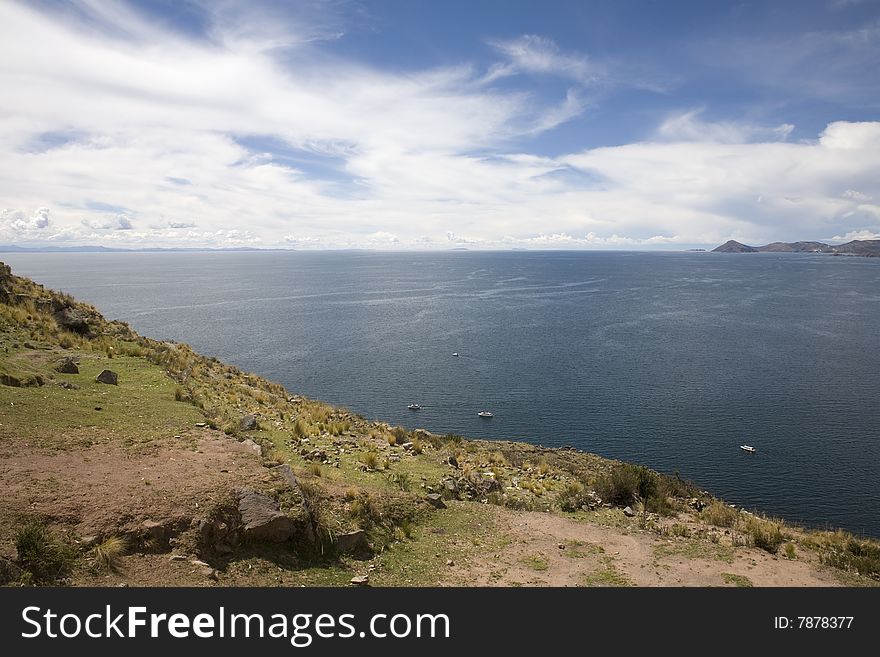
(863,234)
(117,222)
(16,225)
(856,195)
(377,159)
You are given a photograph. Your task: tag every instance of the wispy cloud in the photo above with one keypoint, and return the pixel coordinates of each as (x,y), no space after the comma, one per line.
(118,131)
(539,55)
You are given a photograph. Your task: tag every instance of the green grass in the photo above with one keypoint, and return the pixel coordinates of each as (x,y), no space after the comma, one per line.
(535,562)
(737,580)
(43,556)
(695,549)
(140,410)
(606,576)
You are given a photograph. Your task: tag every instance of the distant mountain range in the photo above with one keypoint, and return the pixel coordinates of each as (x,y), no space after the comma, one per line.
(867,248)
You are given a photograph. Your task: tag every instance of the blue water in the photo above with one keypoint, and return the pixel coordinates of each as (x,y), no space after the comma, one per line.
(668,359)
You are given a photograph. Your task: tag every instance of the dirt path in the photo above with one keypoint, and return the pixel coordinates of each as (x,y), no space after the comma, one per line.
(550,550)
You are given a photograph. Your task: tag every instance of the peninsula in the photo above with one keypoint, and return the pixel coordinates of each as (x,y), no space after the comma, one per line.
(866,248)
(130,461)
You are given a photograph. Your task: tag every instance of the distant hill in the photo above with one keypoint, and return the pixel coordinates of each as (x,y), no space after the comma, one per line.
(866,248)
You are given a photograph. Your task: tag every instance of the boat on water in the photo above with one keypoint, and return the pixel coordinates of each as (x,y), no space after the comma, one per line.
(415,407)
(748,448)
(485,414)
(455,353)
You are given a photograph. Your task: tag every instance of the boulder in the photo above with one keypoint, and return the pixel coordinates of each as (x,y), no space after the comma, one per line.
(73,320)
(435,500)
(354,543)
(628,512)
(67,366)
(68,386)
(251,445)
(286,473)
(248,423)
(360,580)
(109,377)
(262,519)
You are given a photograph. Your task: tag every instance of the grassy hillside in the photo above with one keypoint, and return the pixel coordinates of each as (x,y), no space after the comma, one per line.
(190,471)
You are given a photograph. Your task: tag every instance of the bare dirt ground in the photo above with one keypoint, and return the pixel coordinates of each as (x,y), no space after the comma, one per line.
(550,550)
(108,486)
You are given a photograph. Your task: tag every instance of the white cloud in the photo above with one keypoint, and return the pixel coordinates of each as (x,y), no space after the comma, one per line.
(536,54)
(863,234)
(416,160)
(117,222)
(855,195)
(687,126)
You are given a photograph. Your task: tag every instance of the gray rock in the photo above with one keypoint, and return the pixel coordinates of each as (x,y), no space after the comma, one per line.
(109,377)
(286,473)
(261,518)
(67,366)
(407,447)
(248,423)
(68,386)
(73,320)
(254,447)
(156,531)
(360,580)
(452,461)
(627,511)
(354,543)
(435,500)
(177,557)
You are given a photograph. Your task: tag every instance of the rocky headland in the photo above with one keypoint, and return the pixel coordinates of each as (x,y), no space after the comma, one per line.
(130,461)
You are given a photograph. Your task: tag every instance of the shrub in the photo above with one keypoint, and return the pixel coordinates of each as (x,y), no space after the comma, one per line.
(789,550)
(719,514)
(765,534)
(371,460)
(626,483)
(572,497)
(403,480)
(106,555)
(41,554)
(315,469)
(400,434)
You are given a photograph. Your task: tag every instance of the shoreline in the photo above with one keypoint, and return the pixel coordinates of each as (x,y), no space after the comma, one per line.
(323,473)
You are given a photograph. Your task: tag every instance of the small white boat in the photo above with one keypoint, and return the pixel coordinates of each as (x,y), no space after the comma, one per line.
(748,448)
(414,407)
(455,353)
(484,414)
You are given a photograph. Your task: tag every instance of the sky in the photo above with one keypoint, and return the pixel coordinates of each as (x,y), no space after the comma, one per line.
(416,124)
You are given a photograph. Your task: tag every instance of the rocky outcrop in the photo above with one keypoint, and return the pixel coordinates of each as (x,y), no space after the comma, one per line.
(73,320)
(354,543)
(262,519)
(248,423)
(67,365)
(109,377)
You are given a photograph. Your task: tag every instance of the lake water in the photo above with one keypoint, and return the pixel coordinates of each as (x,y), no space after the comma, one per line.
(667,359)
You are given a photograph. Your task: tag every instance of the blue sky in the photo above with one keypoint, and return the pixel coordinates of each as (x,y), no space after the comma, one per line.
(431,125)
